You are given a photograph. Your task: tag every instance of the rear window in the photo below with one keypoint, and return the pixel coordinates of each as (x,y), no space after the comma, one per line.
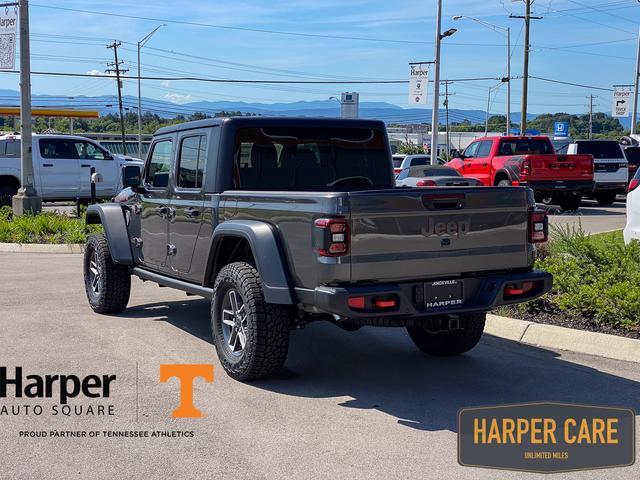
(433,171)
(419,161)
(633,155)
(311,158)
(601,149)
(525,146)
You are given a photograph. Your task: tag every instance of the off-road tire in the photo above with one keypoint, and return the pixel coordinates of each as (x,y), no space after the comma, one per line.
(606,198)
(570,202)
(450,342)
(504,183)
(114,282)
(267,325)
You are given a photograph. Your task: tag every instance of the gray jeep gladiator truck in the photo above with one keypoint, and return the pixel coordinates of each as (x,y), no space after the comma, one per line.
(284,221)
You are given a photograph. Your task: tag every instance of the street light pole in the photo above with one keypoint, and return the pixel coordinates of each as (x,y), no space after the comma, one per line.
(508,81)
(634,113)
(27,199)
(436,89)
(141,44)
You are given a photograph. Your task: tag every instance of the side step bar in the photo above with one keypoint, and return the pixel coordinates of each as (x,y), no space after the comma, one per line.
(172,283)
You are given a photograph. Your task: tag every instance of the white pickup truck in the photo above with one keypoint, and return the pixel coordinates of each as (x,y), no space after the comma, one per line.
(62,167)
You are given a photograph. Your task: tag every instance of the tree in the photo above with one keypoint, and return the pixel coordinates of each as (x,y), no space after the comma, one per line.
(408,148)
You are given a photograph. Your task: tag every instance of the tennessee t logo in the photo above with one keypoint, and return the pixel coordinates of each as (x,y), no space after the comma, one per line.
(186,374)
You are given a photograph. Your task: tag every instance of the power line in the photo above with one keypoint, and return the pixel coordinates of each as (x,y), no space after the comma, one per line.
(571,83)
(229,80)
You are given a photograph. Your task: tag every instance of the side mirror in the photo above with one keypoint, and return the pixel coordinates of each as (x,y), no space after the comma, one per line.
(131,176)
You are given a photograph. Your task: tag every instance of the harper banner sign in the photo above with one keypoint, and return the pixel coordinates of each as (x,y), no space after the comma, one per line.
(546,437)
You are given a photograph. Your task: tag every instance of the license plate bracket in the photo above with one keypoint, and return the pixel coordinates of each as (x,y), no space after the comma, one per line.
(443,293)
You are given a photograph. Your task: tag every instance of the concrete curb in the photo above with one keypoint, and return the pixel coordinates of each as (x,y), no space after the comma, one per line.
(40,248)
(561,338)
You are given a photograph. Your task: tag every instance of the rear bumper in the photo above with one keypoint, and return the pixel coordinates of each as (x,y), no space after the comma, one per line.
(618,187)
(480,293)
(558,187)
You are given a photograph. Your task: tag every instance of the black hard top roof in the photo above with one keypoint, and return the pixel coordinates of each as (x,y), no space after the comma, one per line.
(238,122)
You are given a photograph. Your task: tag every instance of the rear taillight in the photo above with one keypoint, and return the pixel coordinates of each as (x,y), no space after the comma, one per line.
(397,170)
(526,168)
(633,184)
(538,226)
(520,289)
(331,237)
(426,183)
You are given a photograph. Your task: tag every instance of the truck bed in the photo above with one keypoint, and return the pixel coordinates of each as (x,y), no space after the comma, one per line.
(397,234)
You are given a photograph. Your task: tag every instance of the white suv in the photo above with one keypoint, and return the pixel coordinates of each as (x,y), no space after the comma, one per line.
(400,162)
(611,169)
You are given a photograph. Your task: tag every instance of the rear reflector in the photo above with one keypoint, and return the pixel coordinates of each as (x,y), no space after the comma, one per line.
(517,289)
(384,302)
(356,302)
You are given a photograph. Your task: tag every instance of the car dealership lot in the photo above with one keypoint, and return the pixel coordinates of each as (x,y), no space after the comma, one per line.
(365,404)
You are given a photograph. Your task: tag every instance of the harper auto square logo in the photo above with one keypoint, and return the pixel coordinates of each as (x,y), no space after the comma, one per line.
(29,389)
(546,437)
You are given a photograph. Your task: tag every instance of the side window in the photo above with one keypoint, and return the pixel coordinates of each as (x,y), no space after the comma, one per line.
(88,151)
(191,161)
(58,149)
(471,150)
(159,165)
(12,148)
(484,150)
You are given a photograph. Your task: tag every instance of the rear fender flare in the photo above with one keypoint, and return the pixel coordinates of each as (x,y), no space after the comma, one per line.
(268,255)
(112,218)
(511,168)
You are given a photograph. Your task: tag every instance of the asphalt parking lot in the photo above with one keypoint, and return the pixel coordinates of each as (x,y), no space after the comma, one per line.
(365,404)
(590,216)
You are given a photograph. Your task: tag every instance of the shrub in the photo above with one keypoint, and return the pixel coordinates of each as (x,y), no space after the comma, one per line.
(43,228)
(595,276)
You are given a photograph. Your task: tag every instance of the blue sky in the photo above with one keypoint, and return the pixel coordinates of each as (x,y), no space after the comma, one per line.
(566,45)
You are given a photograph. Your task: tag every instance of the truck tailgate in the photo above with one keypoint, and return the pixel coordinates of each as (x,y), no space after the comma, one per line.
(560,167)
(406,234)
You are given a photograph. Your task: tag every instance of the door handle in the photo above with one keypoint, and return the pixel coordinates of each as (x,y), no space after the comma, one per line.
(47,164)
(192,212)
(85,165)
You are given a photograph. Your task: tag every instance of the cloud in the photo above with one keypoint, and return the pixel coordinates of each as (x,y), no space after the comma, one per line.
(178,98)
(165,83)
(95,72)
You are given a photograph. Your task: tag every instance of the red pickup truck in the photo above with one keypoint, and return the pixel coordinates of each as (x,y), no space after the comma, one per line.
(531,162)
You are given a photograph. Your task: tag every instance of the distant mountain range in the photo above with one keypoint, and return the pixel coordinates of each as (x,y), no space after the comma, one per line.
(387,112)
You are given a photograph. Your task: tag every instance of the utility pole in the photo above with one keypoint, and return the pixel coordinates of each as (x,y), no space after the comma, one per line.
(27,199)
(446,106)
(117,70)
(591,105)
(634,112)
(525,75)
